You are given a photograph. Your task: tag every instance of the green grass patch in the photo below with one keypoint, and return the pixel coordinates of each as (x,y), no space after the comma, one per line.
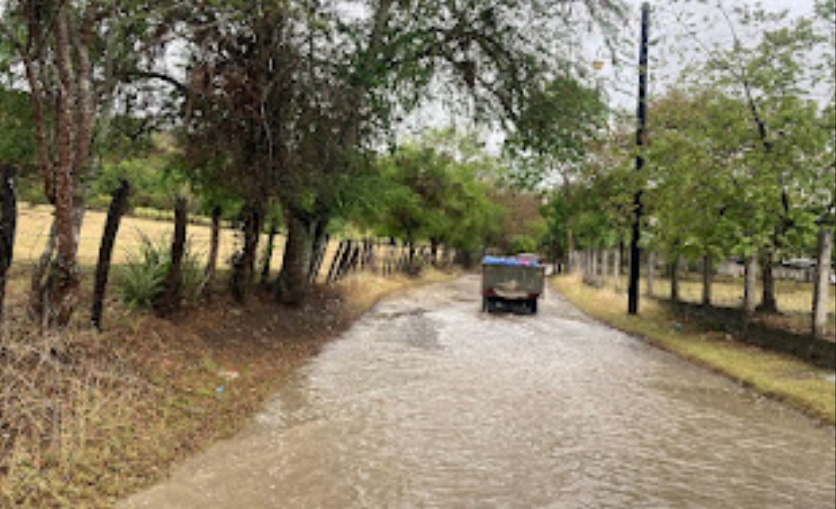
(781,377)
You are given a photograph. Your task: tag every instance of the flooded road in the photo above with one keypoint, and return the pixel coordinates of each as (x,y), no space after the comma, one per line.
(429,403)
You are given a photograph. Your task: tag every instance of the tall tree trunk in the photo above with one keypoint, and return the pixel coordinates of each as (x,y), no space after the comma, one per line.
(64,277)
(8,226)
(750,274)
(584,260)
(214,244)
(170,298)
(769,302)
(345,259)
(292,285)
(651,272)
(41,282)
(707,273)
(617,268)
(39,289)
(570,249)
(63,156)
(111,228)
(354,257)
(268,253)
(434,243)
(252,234)
(243,266)
(820,295)
(39,272)
(675,278)
(605,266)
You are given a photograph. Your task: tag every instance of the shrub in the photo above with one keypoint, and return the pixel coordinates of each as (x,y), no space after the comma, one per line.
(140,280)
(193,276)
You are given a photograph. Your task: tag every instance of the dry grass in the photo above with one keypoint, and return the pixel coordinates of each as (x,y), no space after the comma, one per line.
(795,298)
(34,223)
(363,290)
(797,383)
(792,296)
(69,406)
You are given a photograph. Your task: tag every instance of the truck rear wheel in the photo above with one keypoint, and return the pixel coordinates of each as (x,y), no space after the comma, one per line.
(532,305)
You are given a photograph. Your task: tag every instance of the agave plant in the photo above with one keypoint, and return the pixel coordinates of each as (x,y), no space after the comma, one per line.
(140,280)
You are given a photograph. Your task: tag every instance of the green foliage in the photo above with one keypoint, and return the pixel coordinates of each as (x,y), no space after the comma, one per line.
(288,96)
(740,158)
(554,131)
(130,136)
(17,128)
(524,244)
(140,280)
(155,183)
(432,192)
(145,175)
(594,208)
(747,143)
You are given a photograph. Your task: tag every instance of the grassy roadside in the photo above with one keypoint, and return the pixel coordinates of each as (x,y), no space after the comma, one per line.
(796,383)
(87,418)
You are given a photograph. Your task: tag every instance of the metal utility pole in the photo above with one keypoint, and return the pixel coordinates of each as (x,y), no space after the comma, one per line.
(641,135)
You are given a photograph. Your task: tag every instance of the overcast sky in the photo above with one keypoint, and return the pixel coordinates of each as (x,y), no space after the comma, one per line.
(665,63)
(622,80)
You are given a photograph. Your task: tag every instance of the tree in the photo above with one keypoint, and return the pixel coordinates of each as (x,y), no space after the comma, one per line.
(700,150)
(556,128)
(428,195)
(70,53)
(772,74)
(825,25)
(321,85)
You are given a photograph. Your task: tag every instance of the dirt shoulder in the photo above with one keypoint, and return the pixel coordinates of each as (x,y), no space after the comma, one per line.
(88,418)
(715,344)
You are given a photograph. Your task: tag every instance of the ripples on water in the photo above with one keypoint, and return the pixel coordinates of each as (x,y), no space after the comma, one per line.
(430,403)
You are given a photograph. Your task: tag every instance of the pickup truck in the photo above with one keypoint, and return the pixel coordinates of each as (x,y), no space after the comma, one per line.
(511,282)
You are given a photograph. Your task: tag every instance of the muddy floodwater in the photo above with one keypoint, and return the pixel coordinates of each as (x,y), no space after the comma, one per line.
(429,403)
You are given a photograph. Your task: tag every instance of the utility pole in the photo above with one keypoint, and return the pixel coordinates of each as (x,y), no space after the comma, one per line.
(641,135)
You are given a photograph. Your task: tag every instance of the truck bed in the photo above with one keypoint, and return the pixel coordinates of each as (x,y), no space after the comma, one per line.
(508,281)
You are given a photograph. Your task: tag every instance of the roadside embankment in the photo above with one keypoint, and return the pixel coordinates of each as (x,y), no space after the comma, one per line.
(802,385)
(87,418)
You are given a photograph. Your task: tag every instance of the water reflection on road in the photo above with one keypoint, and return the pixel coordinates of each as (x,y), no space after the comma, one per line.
(427,402)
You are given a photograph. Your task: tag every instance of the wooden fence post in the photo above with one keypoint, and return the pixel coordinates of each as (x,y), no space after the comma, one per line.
(343,266)
(8,226)
(335,263)
(318,258)
(169,300)
(111,228)
(214,245)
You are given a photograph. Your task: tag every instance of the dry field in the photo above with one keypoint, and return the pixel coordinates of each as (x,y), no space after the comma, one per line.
(34,223)
(794,298)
